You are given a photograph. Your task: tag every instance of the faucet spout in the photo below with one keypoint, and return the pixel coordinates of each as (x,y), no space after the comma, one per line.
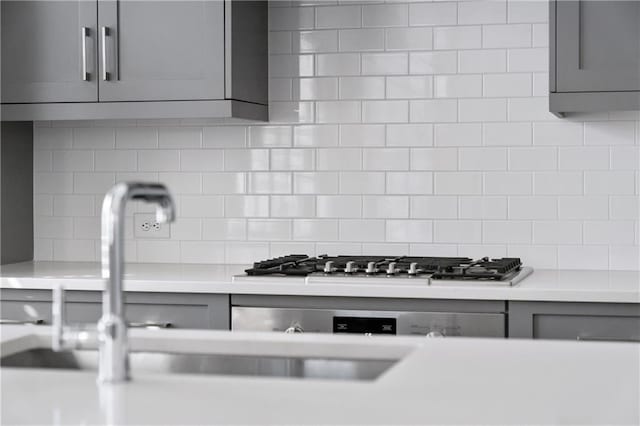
(112,327)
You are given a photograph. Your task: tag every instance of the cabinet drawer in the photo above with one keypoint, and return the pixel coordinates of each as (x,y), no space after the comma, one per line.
(28,311)
(139,314)
(586,327)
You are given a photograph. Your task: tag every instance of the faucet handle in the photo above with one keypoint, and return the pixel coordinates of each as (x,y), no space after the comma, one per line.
(64,336)
(59,318)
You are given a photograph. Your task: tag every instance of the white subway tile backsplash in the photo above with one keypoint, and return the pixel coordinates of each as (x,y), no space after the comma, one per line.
(409,134)
(315,230)
(50,138)
(507,85)
(483,110)
(408,183)
(528,11)
(564,133)
(609,182)
(385,111)
(337,64)
(385,63)
(434,159)
(361,40)
(417,38)
(468,37)
(434,207)
(338,112)
(292,206)
(507,183)
(159,160)
(84,138)
(483,159)
(365,230)
(386,159)
(583,158)
(92,183)
(558,183)
(135,138)
(482,12)
(337,206)
(547,232)
(362,88)
(308,89)
(506,232)
(506,134)
(412,231)
(201,160)
(433,62)
(528,60)
(539,158)
(583,207)
(224,137)
(409,87)
(484,207)
(393,206)
(180,138)
(511,35)
(338,17)
(315,183)
(583,257)
(441,13)
(458,183)
(396,127)
(609,133)
(458,86)
(457,232)
(241,160)
(116,161)
(523,208)
(362,182)
(385,15)
(433,111)
(312,135)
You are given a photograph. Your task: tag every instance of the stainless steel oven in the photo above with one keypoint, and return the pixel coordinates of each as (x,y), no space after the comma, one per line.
(368,322)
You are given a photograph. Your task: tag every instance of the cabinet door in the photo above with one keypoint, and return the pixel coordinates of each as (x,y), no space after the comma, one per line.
(49,51)
(161,50)
(597,46)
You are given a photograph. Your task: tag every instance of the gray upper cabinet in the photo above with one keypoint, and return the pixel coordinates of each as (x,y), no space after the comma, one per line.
(161,51)
(109,59)
(594,56)
(48,51)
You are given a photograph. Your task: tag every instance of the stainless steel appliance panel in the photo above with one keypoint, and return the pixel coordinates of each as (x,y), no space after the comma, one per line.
(406,323)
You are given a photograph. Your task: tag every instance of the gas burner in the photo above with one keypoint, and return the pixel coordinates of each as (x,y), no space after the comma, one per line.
(434,268)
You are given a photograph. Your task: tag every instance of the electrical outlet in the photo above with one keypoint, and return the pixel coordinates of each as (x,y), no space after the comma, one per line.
(146,226)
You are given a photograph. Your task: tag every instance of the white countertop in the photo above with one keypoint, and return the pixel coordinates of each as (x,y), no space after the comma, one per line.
(542,285)
(436,381)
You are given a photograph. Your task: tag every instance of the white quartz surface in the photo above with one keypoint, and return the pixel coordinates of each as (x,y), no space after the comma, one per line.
(542,285)
(436,381)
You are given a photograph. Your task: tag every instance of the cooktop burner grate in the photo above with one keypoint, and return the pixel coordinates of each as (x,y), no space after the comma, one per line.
(443,268)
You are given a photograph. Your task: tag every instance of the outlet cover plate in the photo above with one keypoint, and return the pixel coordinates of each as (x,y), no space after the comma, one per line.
(145,227)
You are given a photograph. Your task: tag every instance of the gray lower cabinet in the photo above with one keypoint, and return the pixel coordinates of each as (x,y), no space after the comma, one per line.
(130,59)
(165,310)
(575,321)
(594,55)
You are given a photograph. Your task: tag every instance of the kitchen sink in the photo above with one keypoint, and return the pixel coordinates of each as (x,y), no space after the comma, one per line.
(189,363)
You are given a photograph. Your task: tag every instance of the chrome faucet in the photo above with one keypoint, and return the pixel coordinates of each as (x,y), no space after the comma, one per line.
(112,327)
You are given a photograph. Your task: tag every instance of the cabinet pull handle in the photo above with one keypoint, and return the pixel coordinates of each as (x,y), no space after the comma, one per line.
(84,33)
(105,34)
(22,322)
(150,324)
(605,339)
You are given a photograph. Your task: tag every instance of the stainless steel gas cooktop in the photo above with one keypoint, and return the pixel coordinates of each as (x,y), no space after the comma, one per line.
(504,271)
